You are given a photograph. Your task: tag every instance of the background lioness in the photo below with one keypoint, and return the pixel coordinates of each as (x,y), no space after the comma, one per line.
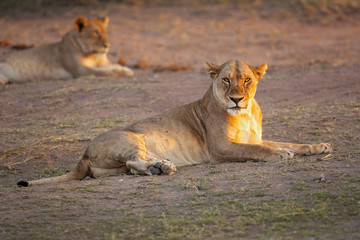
(224,125)
(82,51)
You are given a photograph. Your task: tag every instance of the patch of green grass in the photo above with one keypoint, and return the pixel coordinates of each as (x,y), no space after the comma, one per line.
(223,193)
(71,138)
(51,172)
(6,171)
(110,122)
(71,89)
(197,183)
(259,193)
(299,187)
(329,6)
(213,170)
(229,216)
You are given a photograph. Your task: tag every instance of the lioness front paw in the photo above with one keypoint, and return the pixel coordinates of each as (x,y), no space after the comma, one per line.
(286,153)
(321,148)
(123,71)
(128,72)
(163,167)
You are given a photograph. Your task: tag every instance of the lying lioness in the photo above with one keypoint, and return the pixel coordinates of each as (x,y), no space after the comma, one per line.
(82,51)
(223,126)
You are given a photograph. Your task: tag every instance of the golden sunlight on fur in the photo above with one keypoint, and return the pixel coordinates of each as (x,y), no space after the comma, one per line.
(224,125)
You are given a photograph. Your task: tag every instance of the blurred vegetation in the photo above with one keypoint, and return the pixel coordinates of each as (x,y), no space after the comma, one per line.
(308,6)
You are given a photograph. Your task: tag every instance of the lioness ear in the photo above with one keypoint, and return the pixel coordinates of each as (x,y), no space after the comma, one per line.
(104,20)
(261,70)
(80,23)
(212,69)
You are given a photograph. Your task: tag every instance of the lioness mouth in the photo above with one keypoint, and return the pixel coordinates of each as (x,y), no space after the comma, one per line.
(237,108)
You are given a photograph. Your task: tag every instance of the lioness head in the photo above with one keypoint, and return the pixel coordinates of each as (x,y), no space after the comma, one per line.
(92,34)
(235,84)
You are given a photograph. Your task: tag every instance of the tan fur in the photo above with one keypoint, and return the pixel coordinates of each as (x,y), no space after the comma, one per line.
(82,51)
(224,125)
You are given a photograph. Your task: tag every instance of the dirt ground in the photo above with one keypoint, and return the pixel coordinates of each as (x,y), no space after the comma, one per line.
(310,94)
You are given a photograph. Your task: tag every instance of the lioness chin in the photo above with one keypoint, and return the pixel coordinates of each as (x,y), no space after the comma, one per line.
(82,51)
(224,125)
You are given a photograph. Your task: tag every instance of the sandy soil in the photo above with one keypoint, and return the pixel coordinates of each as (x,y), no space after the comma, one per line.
(311,93)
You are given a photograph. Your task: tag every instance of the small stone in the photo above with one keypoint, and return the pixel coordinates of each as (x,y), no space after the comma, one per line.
(320,179)
(154,170)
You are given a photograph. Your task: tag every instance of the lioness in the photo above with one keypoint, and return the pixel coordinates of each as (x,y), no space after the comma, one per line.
(225,125)
(82,51)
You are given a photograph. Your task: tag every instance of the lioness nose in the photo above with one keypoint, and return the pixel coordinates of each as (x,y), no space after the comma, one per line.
(236,100)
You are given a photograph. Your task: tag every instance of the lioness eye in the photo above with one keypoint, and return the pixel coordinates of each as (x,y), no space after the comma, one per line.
(96,33)
(247,80)
(226,80)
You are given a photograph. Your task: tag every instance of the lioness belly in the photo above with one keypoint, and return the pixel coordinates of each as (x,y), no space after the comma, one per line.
(40,63)
(182,149)
(20,71)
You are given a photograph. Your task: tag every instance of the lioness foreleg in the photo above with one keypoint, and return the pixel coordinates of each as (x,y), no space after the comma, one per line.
(115,69)
(302,149)
(110,70)
(3,80)
(240,152)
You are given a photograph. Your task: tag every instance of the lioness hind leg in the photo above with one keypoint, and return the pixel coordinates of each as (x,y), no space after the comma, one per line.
(123,149)
(118,149)
(139,167)
(103,172)
(162,167)
(302,149)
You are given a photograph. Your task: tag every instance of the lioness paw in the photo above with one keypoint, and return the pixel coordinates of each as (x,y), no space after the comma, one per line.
(321,148)
(3,80)
(163,167)
(286,153)
(128,72)
(318,149)
(123,71)
(115,70)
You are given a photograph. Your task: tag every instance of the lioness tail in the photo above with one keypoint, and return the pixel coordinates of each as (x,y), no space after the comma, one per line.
(81,171)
